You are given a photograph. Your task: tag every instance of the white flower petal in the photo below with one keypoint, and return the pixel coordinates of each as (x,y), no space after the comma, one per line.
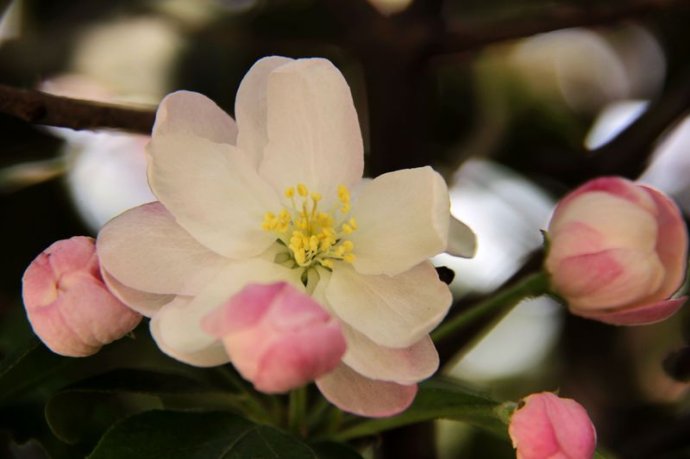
(213,192)
(462,241)
(177,326)
(250,107)
(352,392)
(392,311)
(402,219)
(192,114)
(403,366)
(313,131)
(146,304)
(145,249)
(198,350)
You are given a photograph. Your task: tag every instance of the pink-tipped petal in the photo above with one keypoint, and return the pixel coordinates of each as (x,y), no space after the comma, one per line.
(276,336)
(406,365)
(547,426)
(356,394)
(672,241)
(145,303)
(67,303)
(145,249)
(193,114)
(641,315)
(300,357)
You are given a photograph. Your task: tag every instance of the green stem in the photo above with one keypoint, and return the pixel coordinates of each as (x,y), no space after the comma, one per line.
(297,411)
(253,406)
(533,285)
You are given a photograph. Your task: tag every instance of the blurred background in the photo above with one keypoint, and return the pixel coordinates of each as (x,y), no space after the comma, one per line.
(514,102)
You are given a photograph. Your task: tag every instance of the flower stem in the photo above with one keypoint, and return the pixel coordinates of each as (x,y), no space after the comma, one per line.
(297,411)
(533,285)
(251,401)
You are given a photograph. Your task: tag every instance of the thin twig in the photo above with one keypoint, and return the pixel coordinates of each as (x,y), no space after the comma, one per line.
(457,38)
(41,108)
(629,152)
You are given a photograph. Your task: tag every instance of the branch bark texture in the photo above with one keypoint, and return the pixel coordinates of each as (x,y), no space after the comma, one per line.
(41,108)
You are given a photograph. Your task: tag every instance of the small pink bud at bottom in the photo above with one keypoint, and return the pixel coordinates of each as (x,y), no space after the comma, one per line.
(548,426)
(276,336)
(68,305)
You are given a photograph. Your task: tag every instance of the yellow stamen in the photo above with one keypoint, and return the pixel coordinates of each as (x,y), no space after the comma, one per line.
(313,237)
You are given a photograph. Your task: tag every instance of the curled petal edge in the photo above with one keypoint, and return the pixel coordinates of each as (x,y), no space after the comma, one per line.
(640,315)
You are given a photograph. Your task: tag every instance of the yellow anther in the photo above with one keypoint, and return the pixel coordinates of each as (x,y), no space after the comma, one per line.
(327,263)
(343,194)
(311,236)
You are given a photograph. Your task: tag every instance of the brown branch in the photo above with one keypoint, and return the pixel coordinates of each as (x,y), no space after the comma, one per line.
(41,108)
(629,152)
(457,38)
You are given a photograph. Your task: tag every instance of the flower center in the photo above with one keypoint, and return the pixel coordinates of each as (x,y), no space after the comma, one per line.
(313,237)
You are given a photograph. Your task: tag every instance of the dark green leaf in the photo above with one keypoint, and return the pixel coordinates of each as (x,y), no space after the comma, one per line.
(211,435)
(333,450)
(83,416)
(436,399)
(84,411)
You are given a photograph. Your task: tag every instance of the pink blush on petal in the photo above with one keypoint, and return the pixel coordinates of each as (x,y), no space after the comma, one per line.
(641,315)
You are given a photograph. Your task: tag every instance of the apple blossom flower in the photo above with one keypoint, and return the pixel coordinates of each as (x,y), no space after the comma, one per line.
(278,196)
(617,252)
(269,332)
(547,426)
(67,303)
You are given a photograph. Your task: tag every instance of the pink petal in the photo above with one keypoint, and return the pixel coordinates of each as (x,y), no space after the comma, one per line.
(547,426)
(616,186)
(300,357)
(352,392)
(672,241)
(403,366)
(67,303)
(145,303)
(145,249)
(276,336)
(641,315)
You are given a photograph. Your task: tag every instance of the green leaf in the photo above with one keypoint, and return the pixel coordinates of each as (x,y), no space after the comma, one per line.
(83,416)
(333,450)
(192,435)
(84,411)
(26,368)
(438,399)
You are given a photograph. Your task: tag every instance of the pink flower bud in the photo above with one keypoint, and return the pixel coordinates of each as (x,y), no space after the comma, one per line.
(617,252)
(67,303)
(547,426)
(277,337)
